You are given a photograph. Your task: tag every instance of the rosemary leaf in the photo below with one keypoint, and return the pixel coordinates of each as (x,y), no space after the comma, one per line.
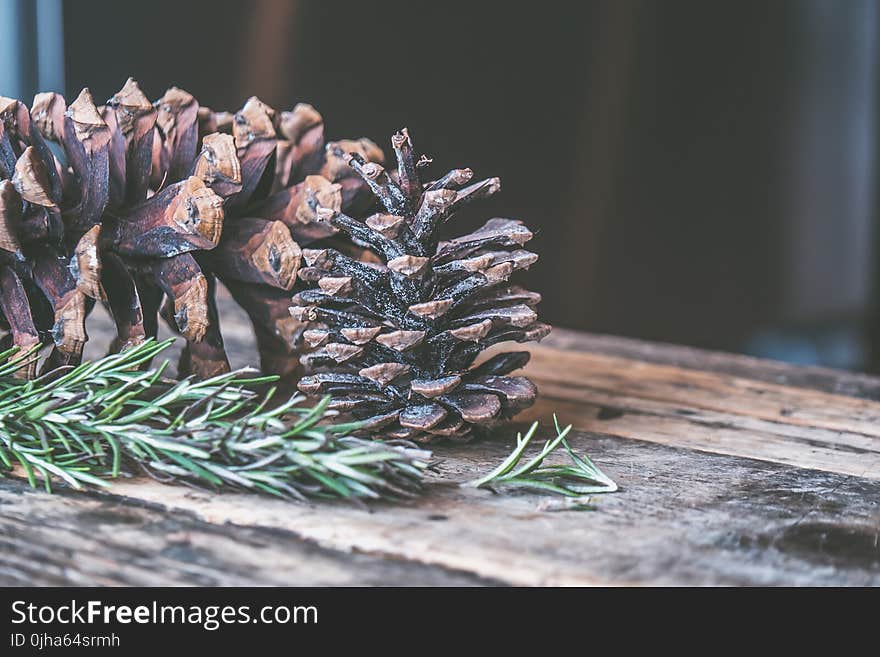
(575,481)
(91,423)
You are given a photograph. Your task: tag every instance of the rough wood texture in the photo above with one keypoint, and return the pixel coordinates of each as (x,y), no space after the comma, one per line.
(92,540)
(735,414)
(682,517)
(720,484)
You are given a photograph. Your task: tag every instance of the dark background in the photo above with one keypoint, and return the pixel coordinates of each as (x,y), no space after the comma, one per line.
(698,172)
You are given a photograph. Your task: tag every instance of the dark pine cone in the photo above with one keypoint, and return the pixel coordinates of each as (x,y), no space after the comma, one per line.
(397,341)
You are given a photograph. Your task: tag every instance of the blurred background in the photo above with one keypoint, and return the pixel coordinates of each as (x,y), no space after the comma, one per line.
(697,172)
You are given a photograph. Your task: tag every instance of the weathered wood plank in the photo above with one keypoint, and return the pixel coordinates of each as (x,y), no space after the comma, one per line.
(75,539)
(706,431)
(850,384)
(682,517)
(702,410)
(706,390)
(733,471)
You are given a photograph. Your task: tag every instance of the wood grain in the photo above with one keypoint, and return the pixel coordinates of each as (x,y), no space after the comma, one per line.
(712,412)
(682,517)
(80,539)
(851,384)
(732,471)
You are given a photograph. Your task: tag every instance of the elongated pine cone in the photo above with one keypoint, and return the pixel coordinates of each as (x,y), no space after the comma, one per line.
(397,341)
(133,202)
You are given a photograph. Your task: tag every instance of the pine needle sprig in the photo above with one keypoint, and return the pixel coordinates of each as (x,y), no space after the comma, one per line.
(579,479)
(89,424)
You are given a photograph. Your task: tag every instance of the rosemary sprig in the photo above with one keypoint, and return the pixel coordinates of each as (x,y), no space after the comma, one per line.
(89,424)
(581,478)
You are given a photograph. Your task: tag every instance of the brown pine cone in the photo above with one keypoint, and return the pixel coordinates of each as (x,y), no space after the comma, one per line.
(134,202)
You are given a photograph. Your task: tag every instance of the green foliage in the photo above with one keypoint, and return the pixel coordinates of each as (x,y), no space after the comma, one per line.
(86,425)
(576,480)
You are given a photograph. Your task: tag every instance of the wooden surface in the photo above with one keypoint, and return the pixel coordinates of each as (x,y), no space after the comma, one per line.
(732,471)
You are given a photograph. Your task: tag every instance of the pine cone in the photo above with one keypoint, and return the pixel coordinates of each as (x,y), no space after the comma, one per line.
(286,171)
(142,201)
(397,341)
